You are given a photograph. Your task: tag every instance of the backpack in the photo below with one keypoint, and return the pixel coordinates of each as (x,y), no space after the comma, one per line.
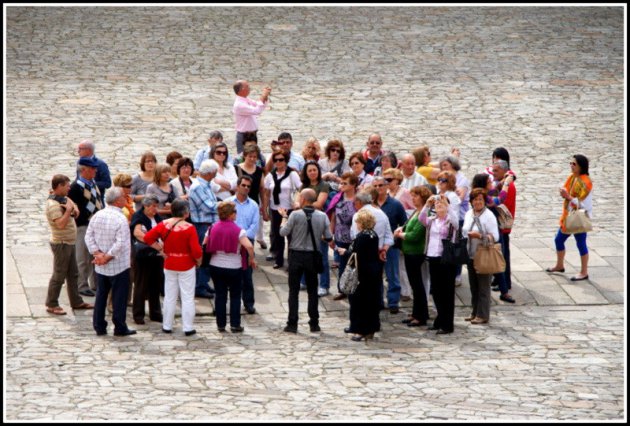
(504,217)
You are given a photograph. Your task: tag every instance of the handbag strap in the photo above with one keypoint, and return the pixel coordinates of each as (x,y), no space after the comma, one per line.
(169,231)
(484,235)
(310,230)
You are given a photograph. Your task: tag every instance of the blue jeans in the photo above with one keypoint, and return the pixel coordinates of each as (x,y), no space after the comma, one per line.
(504,279)
(248,286)
(393,279)
(324,277)
(119,285)
(227,279)
(202,274)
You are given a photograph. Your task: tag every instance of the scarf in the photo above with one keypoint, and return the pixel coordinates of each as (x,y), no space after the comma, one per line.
(276,182)
(224,237)
(577,187)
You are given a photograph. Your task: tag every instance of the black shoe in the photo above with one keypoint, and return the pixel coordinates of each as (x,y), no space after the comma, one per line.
(495,288)
(139,321)
(394,310)
(315,328)
(348,330)
(166,331)
(507,298)
(276,266)
(238,329)
(269,258)
(251,310)
(416,324)
(443,332)
(88,293)
(204,295)
(221,329)
(101,333)
(433,328)
(407,321)
(128,332)
(156,319)
(291,328)
(190,333)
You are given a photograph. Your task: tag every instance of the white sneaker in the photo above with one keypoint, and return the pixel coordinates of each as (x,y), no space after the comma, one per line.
(322,292)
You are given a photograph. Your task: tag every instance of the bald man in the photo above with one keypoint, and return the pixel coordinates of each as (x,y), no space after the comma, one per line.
(303,251)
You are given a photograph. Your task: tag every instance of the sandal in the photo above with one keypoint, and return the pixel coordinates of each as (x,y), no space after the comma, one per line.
(84,306)
(57,310)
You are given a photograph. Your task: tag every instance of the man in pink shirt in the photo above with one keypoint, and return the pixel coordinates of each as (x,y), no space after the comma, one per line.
(246,111)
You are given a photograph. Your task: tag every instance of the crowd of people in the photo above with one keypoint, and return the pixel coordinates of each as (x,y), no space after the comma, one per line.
(186,228)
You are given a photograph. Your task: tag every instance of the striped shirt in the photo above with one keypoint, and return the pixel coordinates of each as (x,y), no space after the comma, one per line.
(108,231)
(203,202)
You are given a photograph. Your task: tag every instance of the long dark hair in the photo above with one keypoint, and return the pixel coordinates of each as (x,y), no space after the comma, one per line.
(480,180)
(582,162)
(306,182)
(217,146)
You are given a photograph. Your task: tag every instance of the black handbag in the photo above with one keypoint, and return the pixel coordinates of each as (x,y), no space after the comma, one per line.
(454,253)
(207,255)
(143,250)
(318,259)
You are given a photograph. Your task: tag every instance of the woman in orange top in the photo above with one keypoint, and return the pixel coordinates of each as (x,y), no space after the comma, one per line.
(577,193)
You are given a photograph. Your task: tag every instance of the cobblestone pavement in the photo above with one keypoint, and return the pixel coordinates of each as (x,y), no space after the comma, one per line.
(544,82)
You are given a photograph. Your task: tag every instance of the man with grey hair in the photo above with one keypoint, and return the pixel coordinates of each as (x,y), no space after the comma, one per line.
(103,179)
(373,153)
(203,213)
(411,177)
(246,111)
(87,197)
(307,227)
(109,240)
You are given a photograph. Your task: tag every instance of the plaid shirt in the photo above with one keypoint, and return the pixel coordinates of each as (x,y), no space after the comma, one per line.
(203,202)
(108,232)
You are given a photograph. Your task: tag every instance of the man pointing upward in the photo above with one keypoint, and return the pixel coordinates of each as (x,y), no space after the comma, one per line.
(246,111)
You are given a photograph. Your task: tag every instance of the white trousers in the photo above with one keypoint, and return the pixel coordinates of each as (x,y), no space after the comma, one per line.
(260,236)
(182,282)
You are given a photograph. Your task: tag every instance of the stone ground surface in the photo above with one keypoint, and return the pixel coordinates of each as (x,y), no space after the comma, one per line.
(546,83)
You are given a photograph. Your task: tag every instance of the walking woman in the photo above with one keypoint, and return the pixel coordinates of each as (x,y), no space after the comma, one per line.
(442,276)
(413,236)
(183,253)
(577,193)
(226,243)
(477,222)
(366,301)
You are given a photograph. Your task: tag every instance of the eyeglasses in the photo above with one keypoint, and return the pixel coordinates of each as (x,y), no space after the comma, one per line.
(573,164)
(279,160)
(245,186)
(149,161)
(389,180)
(378,186)
(220,152)
(375,142)
(335,150)
(442,180)
(354,163)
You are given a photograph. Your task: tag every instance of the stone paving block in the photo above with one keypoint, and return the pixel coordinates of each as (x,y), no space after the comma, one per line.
(584,295)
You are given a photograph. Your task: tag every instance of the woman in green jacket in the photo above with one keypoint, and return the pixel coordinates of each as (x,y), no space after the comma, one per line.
(413,235)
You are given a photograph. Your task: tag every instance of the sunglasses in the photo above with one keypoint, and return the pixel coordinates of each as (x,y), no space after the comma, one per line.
(378,186)
(335,150)
(442,180)
(573,164)
(389,180)
(126,186)
(246,186)
(279,160)
(220,152)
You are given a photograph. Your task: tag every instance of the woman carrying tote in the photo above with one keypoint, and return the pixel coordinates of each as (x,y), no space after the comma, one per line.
(479,283)
(577,193)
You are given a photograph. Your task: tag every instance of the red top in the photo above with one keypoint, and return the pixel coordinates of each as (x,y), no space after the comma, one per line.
(510,203)
(181,246)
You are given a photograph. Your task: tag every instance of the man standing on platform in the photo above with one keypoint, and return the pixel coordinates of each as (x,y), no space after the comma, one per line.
(246,111)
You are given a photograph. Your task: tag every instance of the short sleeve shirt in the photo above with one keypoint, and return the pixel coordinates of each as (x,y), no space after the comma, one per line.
(68,235)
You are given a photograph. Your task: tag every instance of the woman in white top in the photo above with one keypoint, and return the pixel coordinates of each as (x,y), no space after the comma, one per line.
(479,222)
(183,181)
(357,164)
(334,164)
(227,264)
(280,185)
(446,186)
(226,176)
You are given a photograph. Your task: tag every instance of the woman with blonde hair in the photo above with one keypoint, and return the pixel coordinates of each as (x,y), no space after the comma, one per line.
(144,178)
(162,188)
(426,168)
(312,150)
(365,303)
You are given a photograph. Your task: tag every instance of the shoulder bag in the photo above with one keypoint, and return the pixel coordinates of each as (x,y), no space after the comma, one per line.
(488,257)
(349,280)
(454,253)
(504,217)
(578,222)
